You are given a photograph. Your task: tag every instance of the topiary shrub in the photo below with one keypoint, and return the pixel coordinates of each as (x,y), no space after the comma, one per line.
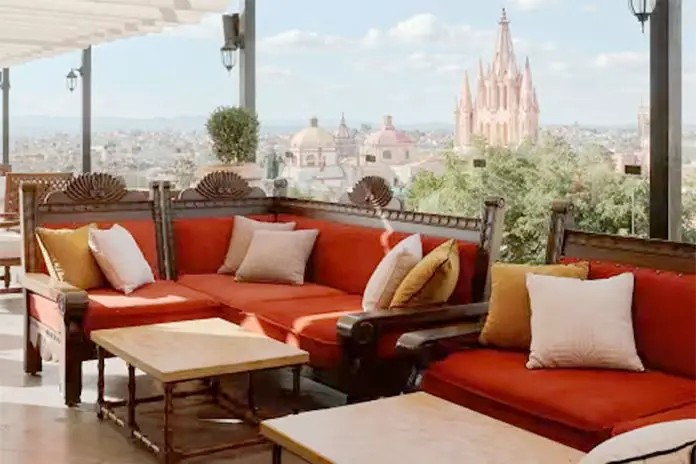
(234,134)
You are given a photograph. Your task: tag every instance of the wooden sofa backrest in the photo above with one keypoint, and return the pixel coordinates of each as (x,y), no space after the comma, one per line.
(87,198)
(370,204)
(45,183)
(566,242)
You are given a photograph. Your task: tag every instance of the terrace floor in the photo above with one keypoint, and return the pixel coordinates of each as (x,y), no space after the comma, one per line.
(36,428)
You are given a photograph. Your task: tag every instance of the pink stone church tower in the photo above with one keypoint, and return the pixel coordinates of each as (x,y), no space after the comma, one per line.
(505,111)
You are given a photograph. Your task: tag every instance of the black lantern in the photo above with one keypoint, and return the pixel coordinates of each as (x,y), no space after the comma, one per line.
(71,80)
(228,53)
(233,40)
(642,9)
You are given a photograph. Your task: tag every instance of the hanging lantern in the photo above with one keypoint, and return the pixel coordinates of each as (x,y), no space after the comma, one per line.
(228,54)
(71,80)
(642,9)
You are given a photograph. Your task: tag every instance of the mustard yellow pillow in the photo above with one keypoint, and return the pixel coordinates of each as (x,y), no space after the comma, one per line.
(508,324)
(68,257)
(432,280)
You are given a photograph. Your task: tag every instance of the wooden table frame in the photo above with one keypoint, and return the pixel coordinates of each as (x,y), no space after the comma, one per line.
(167,452)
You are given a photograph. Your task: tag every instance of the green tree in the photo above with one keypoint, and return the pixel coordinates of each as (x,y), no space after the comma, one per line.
(530,178)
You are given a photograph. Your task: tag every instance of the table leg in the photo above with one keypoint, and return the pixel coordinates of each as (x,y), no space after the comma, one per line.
(250,395)
(131,400)
(296,373)
(277,456)
(100,382)
(168,410)
(215,388)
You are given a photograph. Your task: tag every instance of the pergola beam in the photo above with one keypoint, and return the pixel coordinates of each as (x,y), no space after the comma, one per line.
(666,120)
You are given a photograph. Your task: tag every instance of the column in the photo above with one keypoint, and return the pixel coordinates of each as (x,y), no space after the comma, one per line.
(247,59)
(665,120)
(6,116)
(86,72)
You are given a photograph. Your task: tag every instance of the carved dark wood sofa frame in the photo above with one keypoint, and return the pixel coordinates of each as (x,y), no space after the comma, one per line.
(87,198)
(362,374)
(91,198)
(567,244)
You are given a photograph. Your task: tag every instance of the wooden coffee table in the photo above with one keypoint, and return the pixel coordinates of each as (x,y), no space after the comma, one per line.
(416,428)
(183,351)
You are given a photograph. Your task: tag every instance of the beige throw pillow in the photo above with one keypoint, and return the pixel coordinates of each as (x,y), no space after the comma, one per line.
(390,272)
(277,256)
(120,258)
(242,233)
(582,323)
(664,443)
(507,323)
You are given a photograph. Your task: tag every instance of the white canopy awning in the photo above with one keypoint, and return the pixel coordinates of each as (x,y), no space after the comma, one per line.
(31,29)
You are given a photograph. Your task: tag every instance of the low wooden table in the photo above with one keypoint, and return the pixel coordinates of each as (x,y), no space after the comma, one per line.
(416,428)
(183,351)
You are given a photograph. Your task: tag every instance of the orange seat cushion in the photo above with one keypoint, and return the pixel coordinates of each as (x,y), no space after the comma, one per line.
(200,244)
(238,296)
(310,324)
(586,403)
(162,301)
(338,266)
(685,412)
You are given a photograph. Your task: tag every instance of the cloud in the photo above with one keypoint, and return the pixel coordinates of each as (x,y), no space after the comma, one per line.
(590,8)
(529,5)
(274,72)
(630,60)
(296,40)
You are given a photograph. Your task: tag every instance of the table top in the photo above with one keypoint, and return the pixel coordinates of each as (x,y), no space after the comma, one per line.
(414,428)
(189,350)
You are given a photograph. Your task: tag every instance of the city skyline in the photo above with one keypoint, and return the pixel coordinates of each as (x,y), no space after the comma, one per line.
(403,58)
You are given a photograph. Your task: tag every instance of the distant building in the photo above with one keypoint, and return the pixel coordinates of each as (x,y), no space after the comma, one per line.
(388,145)
(505,109)
(346,146)
(640,157)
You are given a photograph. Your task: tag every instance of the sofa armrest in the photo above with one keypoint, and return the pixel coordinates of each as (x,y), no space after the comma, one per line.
(460,335)
(362,327)
(65,294)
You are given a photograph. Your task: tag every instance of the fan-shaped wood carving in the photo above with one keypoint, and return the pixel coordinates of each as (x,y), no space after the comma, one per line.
(223,185)
(371,192)
(96,187)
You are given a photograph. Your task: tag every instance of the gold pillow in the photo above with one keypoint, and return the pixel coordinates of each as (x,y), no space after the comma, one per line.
(68,257)
(432,280)
(508,324)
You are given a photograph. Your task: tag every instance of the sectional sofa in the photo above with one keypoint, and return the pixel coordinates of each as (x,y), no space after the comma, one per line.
(184,237)
(581,407)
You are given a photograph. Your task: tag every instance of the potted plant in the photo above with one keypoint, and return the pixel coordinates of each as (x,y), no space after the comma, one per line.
(234,136)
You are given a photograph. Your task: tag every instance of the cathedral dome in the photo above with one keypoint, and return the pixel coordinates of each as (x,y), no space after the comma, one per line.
(313,138)
(388,136)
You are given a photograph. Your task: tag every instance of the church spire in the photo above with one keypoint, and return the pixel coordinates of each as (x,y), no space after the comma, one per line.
(466,93)
(504,59)
(527,92)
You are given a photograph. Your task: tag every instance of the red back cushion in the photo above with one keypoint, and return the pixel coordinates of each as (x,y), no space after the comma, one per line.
(201,244)
(664,316)
(143,232)
(345,255)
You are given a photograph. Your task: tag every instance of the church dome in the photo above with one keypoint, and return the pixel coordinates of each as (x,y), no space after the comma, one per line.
(388,136)
(313,138)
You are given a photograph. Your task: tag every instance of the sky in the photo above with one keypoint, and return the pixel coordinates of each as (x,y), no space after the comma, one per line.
(369,58)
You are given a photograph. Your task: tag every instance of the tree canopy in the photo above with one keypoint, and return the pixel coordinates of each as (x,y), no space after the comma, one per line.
(530,178)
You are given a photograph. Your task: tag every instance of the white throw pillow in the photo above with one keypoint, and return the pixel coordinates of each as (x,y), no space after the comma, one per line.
(671,442)
(120,258)
(390,272)
(582,323)
(277,256)
(242,233)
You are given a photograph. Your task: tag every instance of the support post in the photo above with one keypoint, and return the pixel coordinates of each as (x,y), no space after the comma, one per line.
(247,57)
(6,116)
(665,119)
(86,71)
